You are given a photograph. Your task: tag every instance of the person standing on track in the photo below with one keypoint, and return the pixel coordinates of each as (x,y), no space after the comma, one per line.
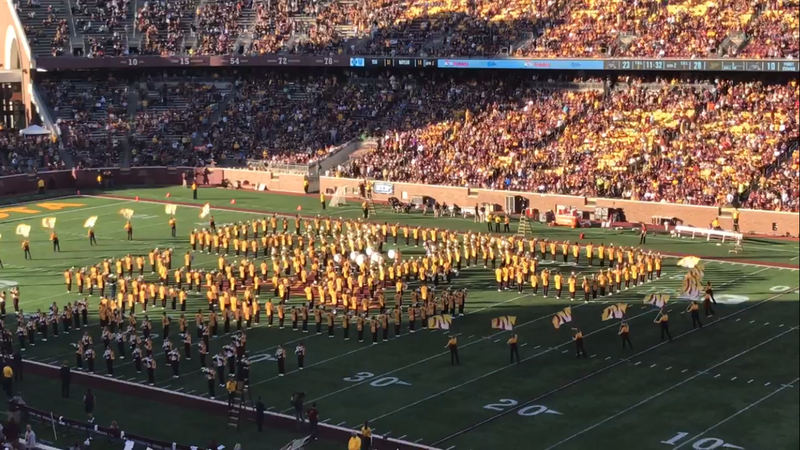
(452,345)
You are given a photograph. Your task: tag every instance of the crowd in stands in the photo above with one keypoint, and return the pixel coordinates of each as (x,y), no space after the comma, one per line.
(25,154)
(170,119)
(162,24)
(694,144)
(702,142)
(445,28)
(92,118)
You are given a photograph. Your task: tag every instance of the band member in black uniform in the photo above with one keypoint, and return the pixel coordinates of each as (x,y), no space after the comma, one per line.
(663,320)
(136,354)
(150,364)
(56,244)
(108,355)
(174,362)
(513,347)
(624,333)
(88,356)
(210,375)
(280,355)
(694,310)
(300,351)
(708,299)
(578,338)
(79,356)
(92,238)
(120,338)
(452,345)
(219,363)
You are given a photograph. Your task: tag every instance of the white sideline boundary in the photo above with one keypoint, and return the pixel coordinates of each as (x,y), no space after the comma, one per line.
(288,215)
(164,391)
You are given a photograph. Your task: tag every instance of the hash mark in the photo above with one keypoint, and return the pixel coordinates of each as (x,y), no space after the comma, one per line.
(496,341)
(750,381)
(734,378)
(767,384)
(607,358)
(326,420)
(401,437)
(565,351)
(637,363)
(340,424)
(668,368)
(593,355)
(766,324)
(652,366)
(536,347)
(523,345)
(417,440)
(717,375)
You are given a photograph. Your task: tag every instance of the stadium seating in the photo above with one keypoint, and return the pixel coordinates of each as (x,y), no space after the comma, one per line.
(542,28)
(92,116)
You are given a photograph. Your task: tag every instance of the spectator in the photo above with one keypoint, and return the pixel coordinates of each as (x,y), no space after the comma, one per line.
(30,438)
(313,420)
(66,375)
(11,432)
(260,414)
(8,378)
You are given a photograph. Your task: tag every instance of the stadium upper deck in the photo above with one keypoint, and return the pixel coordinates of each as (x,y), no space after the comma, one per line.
(443,28)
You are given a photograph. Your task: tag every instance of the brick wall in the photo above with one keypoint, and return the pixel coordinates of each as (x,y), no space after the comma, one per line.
(700,216)
(274,181)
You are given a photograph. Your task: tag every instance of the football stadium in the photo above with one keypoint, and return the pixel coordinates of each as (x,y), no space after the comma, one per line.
(380,224)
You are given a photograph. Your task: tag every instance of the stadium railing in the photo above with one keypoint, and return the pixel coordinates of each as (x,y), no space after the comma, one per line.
(66,428)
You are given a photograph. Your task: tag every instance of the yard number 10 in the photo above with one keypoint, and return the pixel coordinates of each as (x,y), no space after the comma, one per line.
(708,443)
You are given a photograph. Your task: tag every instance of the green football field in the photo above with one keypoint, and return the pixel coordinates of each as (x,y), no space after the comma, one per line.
(720,387)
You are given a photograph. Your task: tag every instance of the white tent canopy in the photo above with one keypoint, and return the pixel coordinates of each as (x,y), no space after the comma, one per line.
(34,130)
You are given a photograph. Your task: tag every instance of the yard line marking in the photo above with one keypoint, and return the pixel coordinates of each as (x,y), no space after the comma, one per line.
(790,385)
(424,360)
(741,411)
(599,371)
(487,374)
(451,447)
(669,389)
